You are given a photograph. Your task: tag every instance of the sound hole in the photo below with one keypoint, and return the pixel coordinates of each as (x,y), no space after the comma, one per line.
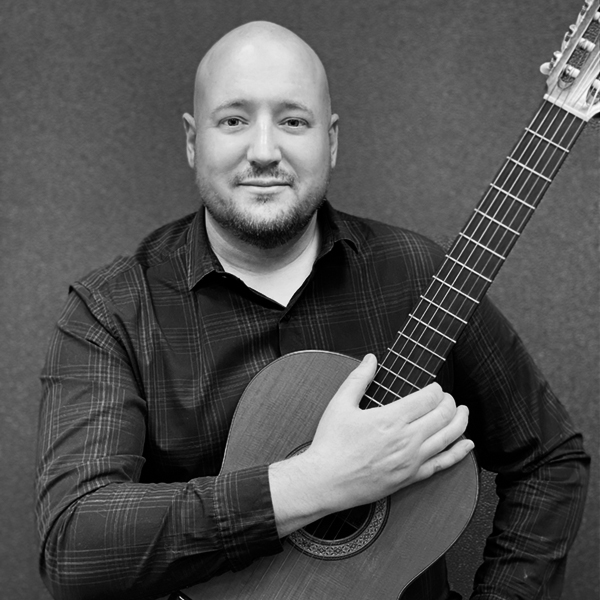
(341,525)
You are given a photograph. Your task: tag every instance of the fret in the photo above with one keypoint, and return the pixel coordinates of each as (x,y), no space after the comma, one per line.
(547,140)
(382,366)
(529,169)
(412,385)
(421,346)
(512,196)
(469,268)
(396,375)
(476,255)
(443,309)
(373,400)
(497,222)
(461,234)
(565,127)
(457,290)
(377,383)
(429,327)
(414,364)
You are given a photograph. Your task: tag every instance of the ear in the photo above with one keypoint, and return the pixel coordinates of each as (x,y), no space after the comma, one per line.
(190,138)
(333,138)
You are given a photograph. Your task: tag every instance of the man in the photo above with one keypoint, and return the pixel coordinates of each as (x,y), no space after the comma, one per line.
(152,353)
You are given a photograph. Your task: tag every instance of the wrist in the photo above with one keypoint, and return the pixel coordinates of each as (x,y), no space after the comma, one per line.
(297,493)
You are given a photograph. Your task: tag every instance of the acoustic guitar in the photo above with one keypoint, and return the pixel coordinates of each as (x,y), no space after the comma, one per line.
(375,551)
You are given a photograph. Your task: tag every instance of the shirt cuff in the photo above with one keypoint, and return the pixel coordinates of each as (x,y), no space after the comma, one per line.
(245,517)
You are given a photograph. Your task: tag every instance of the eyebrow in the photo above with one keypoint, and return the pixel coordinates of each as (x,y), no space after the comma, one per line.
(285,104)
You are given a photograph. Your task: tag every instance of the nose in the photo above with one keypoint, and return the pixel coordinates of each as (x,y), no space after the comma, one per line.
(263,149)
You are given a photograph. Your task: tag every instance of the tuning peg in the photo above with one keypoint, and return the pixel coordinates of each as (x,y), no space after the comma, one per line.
(586,6)
(567,37)
(547,67)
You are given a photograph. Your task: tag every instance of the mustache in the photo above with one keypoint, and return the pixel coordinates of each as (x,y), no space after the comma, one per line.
(266,173)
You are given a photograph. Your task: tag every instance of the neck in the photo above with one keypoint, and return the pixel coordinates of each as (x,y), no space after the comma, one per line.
(247,258)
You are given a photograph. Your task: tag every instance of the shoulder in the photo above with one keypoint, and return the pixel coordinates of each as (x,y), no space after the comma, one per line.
(125,275)
(382,242)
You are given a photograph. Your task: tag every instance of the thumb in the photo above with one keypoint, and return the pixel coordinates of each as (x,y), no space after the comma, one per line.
(356,384)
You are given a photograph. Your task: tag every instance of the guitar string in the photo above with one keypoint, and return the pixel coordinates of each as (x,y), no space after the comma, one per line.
(498,199)
(522,149)
(513,167)
(554,145)
(502,202)
(549,160)
(595,93)
(461,258)
(493,201)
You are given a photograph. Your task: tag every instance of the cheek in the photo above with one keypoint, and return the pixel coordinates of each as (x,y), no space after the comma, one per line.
(215,156)
(313,161)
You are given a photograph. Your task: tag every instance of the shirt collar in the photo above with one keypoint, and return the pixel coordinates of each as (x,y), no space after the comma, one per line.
(202,260)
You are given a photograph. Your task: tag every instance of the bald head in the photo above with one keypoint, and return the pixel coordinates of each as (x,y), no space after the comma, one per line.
(262,42)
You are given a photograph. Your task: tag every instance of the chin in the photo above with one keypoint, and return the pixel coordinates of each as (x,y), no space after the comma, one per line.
(265,227)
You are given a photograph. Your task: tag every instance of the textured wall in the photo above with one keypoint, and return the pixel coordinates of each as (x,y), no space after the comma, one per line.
(431,96)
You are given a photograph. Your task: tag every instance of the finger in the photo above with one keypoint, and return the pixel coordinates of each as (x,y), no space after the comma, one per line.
(446,459)
(444,437)
(355,385)
(418,404)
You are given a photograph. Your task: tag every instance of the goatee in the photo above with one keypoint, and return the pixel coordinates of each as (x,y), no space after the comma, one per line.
(261,233)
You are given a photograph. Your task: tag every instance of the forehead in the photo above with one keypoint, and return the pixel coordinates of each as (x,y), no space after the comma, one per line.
(259,72)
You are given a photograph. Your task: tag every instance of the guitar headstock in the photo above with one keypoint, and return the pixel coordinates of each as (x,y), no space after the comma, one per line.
(574,72)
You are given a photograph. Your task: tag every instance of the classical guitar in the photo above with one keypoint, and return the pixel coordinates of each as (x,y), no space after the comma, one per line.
(375,551)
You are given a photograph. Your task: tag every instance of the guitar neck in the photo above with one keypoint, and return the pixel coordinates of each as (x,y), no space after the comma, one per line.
(476,256)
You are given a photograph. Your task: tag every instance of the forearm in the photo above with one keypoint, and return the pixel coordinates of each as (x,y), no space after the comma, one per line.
(133,540)
(524,434)
(534,526)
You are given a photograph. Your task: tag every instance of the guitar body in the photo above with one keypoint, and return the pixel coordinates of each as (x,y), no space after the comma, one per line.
(391,541)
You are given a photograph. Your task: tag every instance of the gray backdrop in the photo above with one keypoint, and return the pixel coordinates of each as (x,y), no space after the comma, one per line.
(431,95)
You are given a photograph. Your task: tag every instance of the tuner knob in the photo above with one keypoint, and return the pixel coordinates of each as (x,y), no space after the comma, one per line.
(548,66)
(567,37)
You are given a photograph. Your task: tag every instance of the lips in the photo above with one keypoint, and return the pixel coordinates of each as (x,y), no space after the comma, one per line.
(264,182)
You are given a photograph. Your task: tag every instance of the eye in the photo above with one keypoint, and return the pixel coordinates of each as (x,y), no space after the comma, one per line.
(232,122)
(295,123)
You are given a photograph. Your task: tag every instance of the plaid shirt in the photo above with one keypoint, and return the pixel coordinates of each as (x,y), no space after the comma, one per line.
(148,362)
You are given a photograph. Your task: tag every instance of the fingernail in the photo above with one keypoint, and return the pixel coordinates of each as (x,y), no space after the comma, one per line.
(369,358)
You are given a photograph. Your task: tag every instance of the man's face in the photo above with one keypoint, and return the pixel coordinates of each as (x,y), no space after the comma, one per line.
(264,142)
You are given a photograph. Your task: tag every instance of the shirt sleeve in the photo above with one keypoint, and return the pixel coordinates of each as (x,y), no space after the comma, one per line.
(522,433)
(103,533)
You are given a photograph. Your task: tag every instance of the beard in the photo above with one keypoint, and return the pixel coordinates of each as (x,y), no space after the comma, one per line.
(262,232)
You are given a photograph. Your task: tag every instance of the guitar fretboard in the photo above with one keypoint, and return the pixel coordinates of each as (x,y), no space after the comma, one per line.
(476,256)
